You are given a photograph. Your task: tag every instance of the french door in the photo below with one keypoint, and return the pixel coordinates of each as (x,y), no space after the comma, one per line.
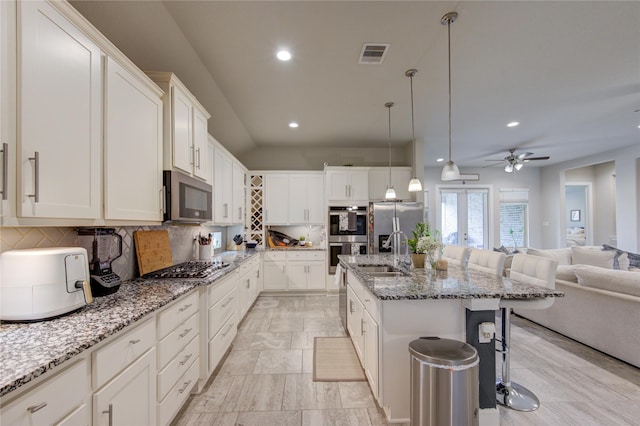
(464,217)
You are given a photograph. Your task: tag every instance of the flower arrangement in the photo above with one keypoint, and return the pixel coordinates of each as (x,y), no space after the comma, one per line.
(425,242)
(422,230)
(428,244)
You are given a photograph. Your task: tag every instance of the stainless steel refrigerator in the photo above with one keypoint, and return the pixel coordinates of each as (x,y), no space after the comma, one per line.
(381,218)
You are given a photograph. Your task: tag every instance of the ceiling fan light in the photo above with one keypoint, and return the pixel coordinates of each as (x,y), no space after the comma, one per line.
(508,168)
(415,185)
(518,166)
(450,171)
(390,194)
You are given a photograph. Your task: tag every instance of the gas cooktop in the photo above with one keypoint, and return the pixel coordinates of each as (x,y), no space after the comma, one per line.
(190,269)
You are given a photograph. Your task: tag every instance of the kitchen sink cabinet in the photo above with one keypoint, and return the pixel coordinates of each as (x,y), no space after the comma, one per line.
(133,148)
(347,184)
(185,127)
(379,182)
(59,119)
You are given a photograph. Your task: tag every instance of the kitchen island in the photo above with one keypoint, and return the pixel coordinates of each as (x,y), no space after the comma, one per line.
(388,310)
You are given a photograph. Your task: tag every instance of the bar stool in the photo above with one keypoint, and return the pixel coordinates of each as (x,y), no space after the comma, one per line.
(456,255)
(488,261)
(526,269)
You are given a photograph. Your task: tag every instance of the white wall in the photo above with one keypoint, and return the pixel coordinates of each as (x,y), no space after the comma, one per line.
(627,200)
(495,179)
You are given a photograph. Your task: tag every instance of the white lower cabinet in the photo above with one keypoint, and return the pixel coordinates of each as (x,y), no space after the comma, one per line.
(355,322)
(129,399)
(294,270)
(274,271)
(370,331)
(63,399)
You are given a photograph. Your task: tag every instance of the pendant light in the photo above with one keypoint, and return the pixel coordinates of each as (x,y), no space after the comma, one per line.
(391,193)
(414,184)
(450,170)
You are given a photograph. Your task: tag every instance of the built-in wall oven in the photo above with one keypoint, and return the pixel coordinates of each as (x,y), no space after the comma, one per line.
(348,232)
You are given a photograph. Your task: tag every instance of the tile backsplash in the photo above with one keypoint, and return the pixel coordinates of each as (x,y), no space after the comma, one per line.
(183,245)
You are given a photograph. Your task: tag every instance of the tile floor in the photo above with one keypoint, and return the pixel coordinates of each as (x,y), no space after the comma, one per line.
(267,377)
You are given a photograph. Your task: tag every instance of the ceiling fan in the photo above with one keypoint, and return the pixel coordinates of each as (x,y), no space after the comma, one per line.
(515,161)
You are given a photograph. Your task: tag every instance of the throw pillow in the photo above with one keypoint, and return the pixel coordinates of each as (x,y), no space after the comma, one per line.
(566,273)
(634,258)
(502,249)
(586,256)
(618,281)
(563,255)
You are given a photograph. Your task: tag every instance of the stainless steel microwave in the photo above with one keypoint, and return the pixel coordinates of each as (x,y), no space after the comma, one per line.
(188,200)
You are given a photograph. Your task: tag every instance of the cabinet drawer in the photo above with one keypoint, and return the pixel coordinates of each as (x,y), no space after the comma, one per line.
(176,340)
(178,394)
(308,255)
(177,367)
(275,255)
(79,416)
(222,311)
(53,400)
(177,313)
(221,342)
(116,356)
(371,304)
(218,291)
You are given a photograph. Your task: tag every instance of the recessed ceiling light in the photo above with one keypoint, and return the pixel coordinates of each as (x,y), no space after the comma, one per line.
(513,124)
(440,160)
(293,125)
(283,55)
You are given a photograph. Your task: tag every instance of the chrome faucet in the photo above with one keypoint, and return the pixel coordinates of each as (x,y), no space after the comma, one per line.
(399,260)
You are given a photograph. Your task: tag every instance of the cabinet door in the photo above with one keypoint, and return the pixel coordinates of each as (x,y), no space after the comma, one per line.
(183,149)
(200,135)
(400,177)
(338,185)
(130,398)
(245,290)
(276,200)
(378,181)
(222,189)
(297,275)
(355,322)
(315,199)
(275,277)
(133,148)
(238,199)
(359,185)
(297,199)
(60,117)
(316,275)
(370,328)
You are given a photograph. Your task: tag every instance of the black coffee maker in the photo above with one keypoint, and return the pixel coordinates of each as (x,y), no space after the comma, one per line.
(104,245)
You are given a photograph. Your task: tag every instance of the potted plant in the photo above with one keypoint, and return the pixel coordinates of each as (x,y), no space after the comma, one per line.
(422,229)
(424,246)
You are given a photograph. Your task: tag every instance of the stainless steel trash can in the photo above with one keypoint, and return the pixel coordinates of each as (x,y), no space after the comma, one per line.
(444,382)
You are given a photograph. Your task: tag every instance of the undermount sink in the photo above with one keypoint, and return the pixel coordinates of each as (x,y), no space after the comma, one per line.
(381,270)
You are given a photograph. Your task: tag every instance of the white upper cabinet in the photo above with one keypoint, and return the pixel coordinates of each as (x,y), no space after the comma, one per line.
(294,198)
(222,191)
(238,196)
(60,116)
(133,148)
(347,184)
(185,127)
(379,182)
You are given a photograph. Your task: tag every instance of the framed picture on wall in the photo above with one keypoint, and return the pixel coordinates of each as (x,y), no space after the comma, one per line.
(575,215)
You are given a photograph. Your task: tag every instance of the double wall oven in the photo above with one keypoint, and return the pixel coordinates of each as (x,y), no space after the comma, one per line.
(348,227)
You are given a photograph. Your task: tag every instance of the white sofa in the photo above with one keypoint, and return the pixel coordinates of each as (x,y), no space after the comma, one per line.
(601,306)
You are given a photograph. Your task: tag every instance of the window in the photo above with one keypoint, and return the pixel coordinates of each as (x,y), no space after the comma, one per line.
(464,217)
(514,223)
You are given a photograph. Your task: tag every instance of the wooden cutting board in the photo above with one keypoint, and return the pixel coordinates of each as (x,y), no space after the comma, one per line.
(152,250)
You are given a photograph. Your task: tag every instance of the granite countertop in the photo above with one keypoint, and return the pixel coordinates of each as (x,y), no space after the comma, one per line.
(456,283)
(28,350)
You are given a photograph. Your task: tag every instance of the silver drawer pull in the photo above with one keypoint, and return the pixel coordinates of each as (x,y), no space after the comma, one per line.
(5,172)
(229,327)
(224,305)
(35,408)
(36,177)
(133,342)
(185,307)
(186,358)
(110,413)
(184,388)
(184,333)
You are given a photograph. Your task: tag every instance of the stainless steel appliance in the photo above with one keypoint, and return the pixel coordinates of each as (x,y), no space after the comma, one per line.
(381,217)
(42,283)
(189,269)
(348,230)
(187,200)
(104,245)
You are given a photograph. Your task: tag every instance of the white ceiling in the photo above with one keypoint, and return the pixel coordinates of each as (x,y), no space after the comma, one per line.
(568,71)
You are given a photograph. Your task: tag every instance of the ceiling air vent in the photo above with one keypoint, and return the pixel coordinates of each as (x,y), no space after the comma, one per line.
(373,53)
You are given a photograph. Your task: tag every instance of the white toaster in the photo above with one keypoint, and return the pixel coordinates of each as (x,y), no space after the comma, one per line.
(42,283)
